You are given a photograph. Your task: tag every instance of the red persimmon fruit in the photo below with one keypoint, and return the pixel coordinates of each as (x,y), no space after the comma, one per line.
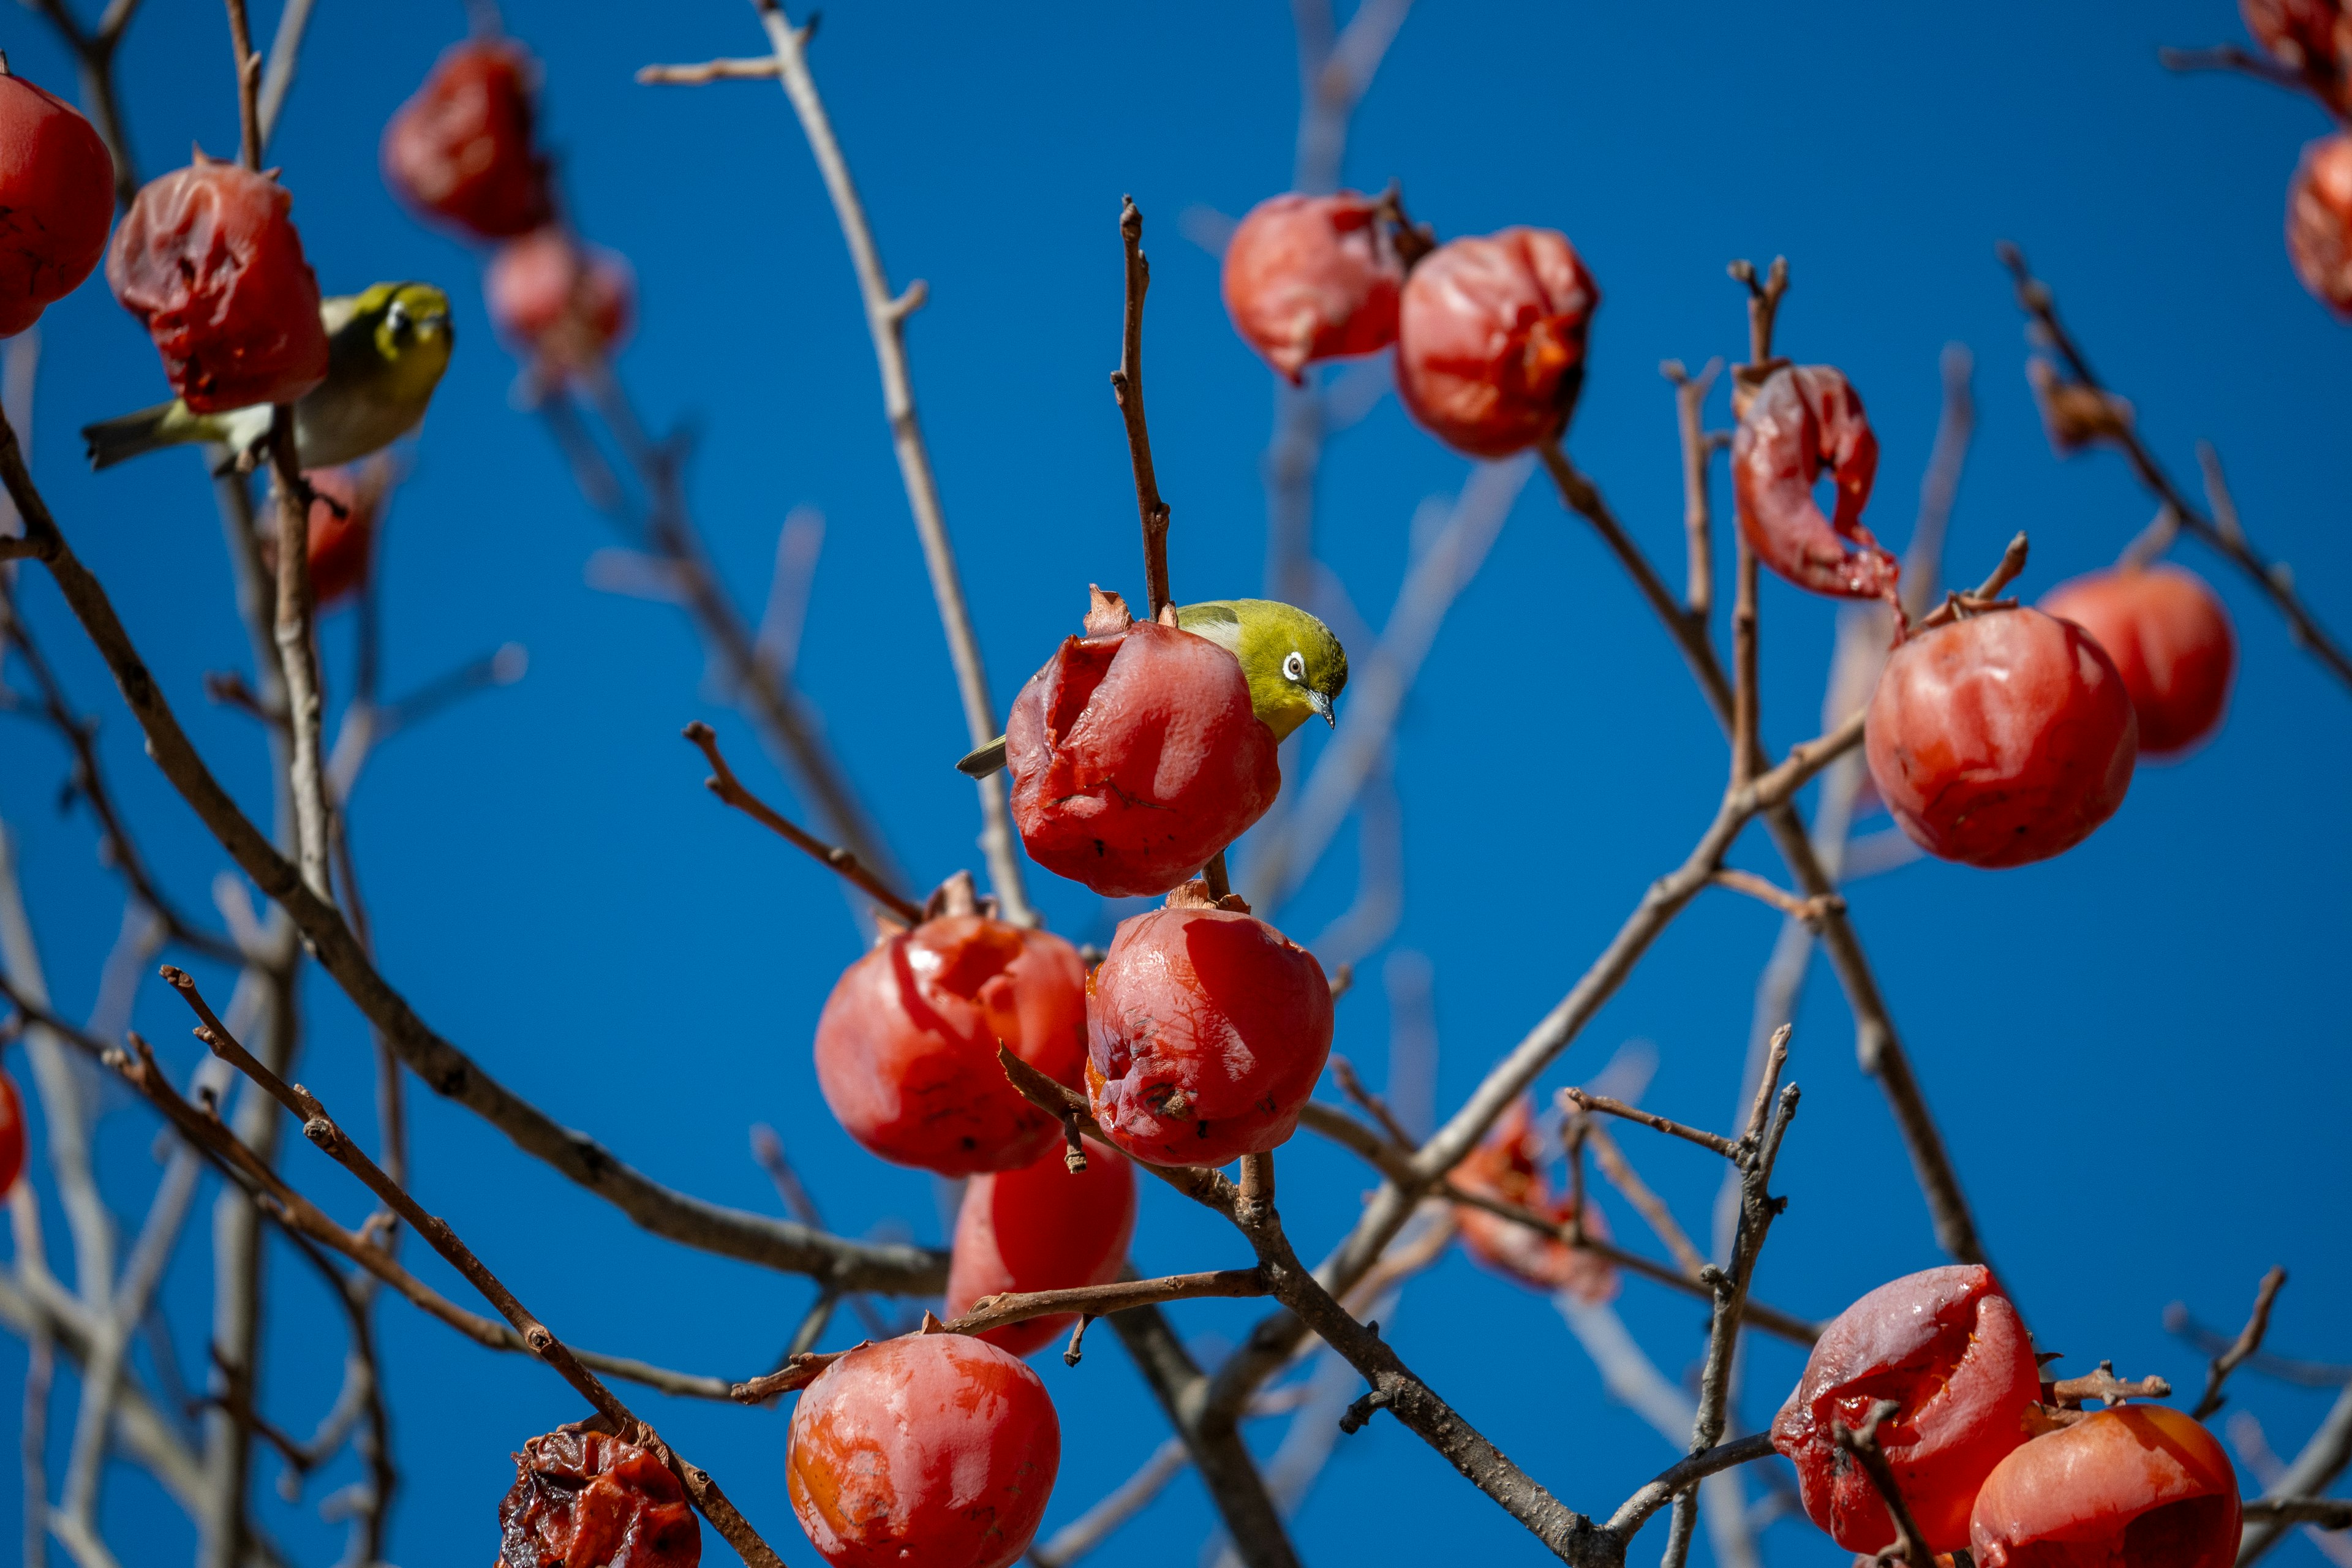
(461,150)
(584,1498)
(2169,638)
(565,304)
(906,1048)
(1490,340)
(2001,738)
(2139,1484)
(2312,36)
(343,543)
(11,1134)
(57,197)
(1206,1029)
(2319,221)
(1803,422)
(1041,1227)
(1313,277)
(208,260)
(1507,1165)
(1945,1344)
(937,1449)
(1136,755)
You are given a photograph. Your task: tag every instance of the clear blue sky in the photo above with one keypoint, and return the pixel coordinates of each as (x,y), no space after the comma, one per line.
(2137,1051)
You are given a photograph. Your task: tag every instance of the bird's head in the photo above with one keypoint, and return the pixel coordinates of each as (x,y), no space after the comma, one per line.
(412,330)
(1296,668)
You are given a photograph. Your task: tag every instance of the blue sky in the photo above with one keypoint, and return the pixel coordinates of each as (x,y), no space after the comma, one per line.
(2137,1051)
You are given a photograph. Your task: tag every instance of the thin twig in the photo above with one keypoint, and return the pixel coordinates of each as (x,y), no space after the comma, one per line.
(1862,1444)
(765,68)
(2314,1469)
(1646,1202)
(1126,388)
(727,787)
(1713,1143)
(1690,405)
(2233,58)
(2248,1340)
(1812,911)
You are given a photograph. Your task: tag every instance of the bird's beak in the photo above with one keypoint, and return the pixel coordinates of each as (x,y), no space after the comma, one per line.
(1322,704)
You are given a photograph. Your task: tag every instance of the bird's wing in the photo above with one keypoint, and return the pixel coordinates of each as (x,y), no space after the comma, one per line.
(1215,620)
(336,311)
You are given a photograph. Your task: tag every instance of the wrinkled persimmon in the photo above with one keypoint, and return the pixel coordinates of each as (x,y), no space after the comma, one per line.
(1313,277)
(461,148)
(1490,340)
(937,1449)
(1507,1165)
(57,197)
(2140,1485)
(2319,221)
(565,304)
(2310,37)
(2169,638)
(1945,1344)
(1041,1227)
(584,1498)
(1803,422)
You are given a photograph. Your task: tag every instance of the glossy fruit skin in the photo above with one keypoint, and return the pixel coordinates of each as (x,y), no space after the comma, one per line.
(2141,1485)
(937,1449)
(1135,757)
(2001,739)
(1205,1032)
(1041,1227)
(208,260)
(1313,277)
(566,304)
(2319,222)
(583,1499)
(11,1134)
(1490,340)
(2169,638)
(57,197)
(1946,1343)
(1805,420)
(1507,1163)
(461,150)
(342,545)
(906,1048)
(2313,36)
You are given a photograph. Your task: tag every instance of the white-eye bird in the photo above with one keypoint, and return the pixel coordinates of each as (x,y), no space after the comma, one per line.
(1295,666)
(386,349)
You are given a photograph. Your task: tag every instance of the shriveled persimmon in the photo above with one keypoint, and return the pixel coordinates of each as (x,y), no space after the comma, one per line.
(1041,1227)
(938,1449)
(2140,1485)
(461,148)
(585,1499)
(1945,1344)
(564,303)
(2310,38)
(1507,1165)
(2319,221)
(1313,277)
(57,197)
(1806,421)
(2169,638)
(1490,340)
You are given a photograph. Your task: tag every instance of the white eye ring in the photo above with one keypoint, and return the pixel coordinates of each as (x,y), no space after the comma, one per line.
(1295,666)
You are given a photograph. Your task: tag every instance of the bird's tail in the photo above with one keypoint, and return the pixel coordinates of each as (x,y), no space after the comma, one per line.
(983,761)
(113,441)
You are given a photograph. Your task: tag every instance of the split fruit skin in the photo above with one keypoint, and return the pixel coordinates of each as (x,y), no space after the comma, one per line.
(2139,1486)
(1206,1032)
(2001,738)
(1949,1347)
(566,304)
(209,261)
(1312,278)
(461,148)
(57,198)
(1803,422)
(1135,757)
(1491,337)
(1041,1227)
(906,1048)
(2169,638)
(1507,1165)
(11,1134)
(937,1449)
(2319,222)
(584,1498)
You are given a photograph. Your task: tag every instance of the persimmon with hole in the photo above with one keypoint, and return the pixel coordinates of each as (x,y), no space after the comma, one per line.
(1041,1227)
(2138,1485)
(2169,638)
(461,148)
(1507,1165)
(566,304)
(1313,277)
(2001,738)
(1490,340)
(209,261)
(1206,1029)
(585,1499)
(1806,421)
(1948,1347)
(938,1449)
(1136,755)
(2319,221)
(57,197)
(11,1134)
(906,1048)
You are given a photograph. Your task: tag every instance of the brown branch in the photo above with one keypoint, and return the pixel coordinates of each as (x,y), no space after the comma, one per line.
(1812,911)
(2233,58)
(1126,388)
(1343,1072)
(1910,1545)
(2103,1385)
(248,91)
(2328,1513)
(1681,1476)
(765,68)
(298,648)
(2248,1340)
(1711,1141)
(2285,1369)
(727,787)
(2316,1467)
(1646,1202)
(93,55)
(1698,449)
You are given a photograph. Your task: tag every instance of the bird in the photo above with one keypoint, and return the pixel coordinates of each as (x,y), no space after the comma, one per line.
(386,349)
(1296,668)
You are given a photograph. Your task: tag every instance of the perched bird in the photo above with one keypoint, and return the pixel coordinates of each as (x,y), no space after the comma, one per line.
(1296,668)
(385,351)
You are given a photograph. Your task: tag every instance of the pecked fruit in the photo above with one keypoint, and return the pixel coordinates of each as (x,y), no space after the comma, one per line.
(1804,421)
(1041,1227)
(2139,1486)
(460,150)
(1490,340)
(2319,221)
(1206,1030)
(565,304)
(1948,1346)
(208,260)
(906,1048)
(1507,1165)
(2001,738)
(11,1134)
(1313,277)
(936,1450)
(57,197)
(1136,755)
(2169,638)
(584,1498)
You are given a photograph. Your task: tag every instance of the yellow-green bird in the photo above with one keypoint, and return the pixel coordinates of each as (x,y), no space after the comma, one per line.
(386,349)
(1296,668)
